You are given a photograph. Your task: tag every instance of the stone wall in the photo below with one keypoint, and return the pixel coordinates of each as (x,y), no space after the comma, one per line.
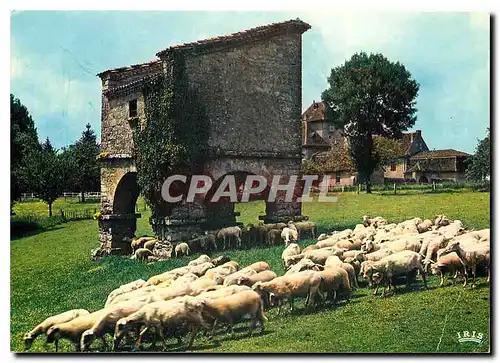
(116,126)
(252,93)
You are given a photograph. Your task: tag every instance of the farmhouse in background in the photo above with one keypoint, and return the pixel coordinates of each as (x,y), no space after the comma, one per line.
(412,160)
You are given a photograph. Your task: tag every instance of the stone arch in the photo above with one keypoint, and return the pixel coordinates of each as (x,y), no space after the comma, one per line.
(126,193)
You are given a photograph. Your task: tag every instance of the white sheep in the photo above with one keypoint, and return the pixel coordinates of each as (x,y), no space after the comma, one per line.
(449,262)
(45,325)
(232,308)
(106,323)
(335,261)
(182,249)
(131,286)
(73,329)
(471,255)
(257,266)
(305,283)
(398,263)
(292,250)
(161,315)
(199,260)
(235,277)
(288,235)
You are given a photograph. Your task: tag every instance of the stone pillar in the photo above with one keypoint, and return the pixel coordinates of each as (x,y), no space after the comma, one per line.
(115,234)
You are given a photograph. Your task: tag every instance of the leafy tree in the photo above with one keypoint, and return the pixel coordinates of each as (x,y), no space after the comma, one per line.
(85,152)
(23,139)
(46,174)
(369,95)
(479,164)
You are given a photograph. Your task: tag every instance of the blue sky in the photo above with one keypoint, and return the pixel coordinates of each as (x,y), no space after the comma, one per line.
(55,57)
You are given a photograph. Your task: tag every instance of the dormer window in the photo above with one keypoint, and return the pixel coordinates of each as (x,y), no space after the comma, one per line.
(132,108)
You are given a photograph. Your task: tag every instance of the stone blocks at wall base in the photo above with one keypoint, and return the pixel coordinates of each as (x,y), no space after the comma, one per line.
(115,233)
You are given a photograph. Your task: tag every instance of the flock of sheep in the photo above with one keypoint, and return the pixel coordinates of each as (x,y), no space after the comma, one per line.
(145,248)
(210,291)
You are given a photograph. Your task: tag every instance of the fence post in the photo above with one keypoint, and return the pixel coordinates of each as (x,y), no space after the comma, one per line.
(434,185)
(395,188)
(342,188)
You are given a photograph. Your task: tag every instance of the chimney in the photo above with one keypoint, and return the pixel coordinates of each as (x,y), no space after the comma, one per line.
(418,133)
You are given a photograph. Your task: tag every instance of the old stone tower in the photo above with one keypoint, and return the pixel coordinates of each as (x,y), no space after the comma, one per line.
(250,85)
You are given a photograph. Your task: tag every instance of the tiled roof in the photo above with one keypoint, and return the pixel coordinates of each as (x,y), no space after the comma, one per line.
(138,83)
(258,32)
(314,112)
(445,153)
(154,62)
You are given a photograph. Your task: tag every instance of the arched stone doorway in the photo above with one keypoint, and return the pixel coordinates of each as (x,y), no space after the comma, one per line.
(118,228)
(423,180)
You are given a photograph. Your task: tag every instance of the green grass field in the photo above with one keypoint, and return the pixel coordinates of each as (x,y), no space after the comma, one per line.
(52,272)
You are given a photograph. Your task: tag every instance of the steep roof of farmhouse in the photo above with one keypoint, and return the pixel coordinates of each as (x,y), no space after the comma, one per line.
(146,66)
(445,153)
(256,33)
(315,112)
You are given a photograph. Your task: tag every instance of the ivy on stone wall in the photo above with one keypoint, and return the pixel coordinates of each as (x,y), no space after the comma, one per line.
(174,137)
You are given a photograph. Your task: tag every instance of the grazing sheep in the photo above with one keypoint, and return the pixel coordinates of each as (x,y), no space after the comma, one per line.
(182,249)
(232,263)
(292,226)
(132,295)
(471,255)
(376,222)
(229,233)
(73,329)
(320,256)
(199,260)
(432,249)
(222,270)
(262,276)
(450,262)
(334,261)
(231,309)
(159,315)
(378,255)
(292,250)
(274,237)
(310,247)
(169,275)
(206,242)
(441,221)
(357,255)
(288,235)
(223,292)
(305,283)
(235,277)
(131,286)
(139,242)
(257,266)
(399,263)
(141,254)
(425,226)
(45,325)
(334,282)
(150,245)
(201,269)
(220,260)
(354,263)
(302,265)
(306,226)
(322,236)
(106,323)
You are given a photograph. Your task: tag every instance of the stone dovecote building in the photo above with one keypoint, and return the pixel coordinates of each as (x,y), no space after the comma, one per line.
(250,85)
(412,160)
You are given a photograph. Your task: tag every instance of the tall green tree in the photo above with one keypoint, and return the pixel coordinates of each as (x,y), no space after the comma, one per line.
(85,152)
(369,95)
(478,164)
(23,139)
(46,173)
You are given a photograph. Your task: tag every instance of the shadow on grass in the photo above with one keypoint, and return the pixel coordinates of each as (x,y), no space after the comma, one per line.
(14,235)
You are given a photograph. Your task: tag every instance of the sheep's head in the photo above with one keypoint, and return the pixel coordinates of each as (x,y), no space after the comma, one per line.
(434,268)
(86,339)
(28,340)
(377,277)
